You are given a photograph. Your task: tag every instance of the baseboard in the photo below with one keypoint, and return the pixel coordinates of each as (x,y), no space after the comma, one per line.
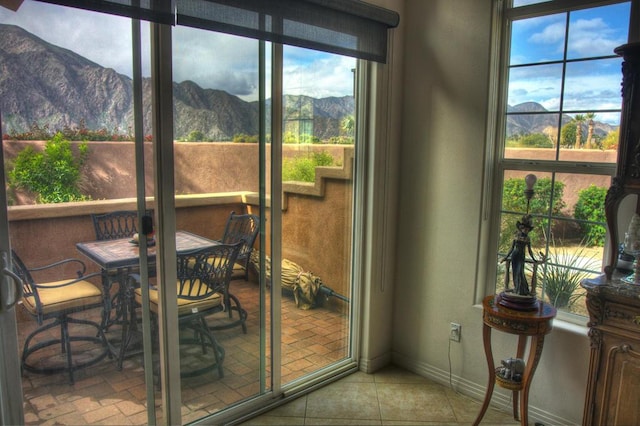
(369,366)
(499,400)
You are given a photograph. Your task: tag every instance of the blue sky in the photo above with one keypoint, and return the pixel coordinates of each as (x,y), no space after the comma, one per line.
(212,60)
(590,85)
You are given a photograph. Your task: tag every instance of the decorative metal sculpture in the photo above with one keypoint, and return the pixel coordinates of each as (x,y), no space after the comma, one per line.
(521,296)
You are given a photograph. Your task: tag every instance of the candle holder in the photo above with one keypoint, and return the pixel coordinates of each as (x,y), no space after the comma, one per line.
(632,247)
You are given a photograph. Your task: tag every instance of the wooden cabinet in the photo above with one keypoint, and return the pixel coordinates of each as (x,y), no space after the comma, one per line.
(613,389)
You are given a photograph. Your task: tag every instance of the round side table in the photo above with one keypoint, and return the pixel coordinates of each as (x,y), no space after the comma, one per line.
(534,324)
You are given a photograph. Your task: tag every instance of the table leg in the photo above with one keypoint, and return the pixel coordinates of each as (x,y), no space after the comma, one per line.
(106,300)
(522,343)
(129,323)
(532,362)
(486,339)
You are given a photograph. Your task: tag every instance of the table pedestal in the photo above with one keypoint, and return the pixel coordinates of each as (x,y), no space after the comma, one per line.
(526,324)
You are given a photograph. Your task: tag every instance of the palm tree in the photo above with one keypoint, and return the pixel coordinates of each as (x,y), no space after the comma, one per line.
(591,124)
(552,133)
(579,119)
(348,125)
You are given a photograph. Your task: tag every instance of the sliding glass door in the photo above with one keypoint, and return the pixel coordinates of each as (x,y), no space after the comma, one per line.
(191,129)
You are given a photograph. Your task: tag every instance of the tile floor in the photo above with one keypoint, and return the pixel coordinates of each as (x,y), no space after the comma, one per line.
(392,396)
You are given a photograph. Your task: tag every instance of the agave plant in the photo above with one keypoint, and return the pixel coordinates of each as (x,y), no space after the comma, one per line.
(564,270)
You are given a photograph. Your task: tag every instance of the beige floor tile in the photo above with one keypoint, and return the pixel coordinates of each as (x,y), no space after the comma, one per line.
(274,420)
(407,423)
(359,377)
(295,408)
(467,409)
(342,400)
(414,402)
(341,422)
(393,374)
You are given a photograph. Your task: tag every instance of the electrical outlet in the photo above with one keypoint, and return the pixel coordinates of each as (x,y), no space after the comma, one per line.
(455,331)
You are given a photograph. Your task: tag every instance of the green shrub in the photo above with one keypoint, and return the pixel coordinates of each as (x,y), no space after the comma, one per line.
(564,270)
(513,200)
(53,174)
(590,207)
(244,138)
(195,136)
(534,140)
(611,140)
(303,169)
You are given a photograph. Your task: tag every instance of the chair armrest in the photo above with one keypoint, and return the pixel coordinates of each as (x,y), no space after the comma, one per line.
(80,272)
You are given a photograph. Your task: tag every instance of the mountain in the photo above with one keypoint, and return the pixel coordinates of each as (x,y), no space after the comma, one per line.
(531,117)
(48,85)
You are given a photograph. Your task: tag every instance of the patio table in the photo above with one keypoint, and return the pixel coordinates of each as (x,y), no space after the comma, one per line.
(121,257)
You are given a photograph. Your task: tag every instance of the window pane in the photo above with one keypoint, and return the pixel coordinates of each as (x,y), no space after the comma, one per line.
(541,84)
(563,97)
(531,136)
(587,138)
(593,85)
(569,226)
(318,137)
(569,261)
(539,39)
(514,205)
(597,31)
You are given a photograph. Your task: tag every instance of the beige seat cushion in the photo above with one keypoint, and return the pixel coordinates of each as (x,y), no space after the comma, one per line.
(185,306)
(64,298)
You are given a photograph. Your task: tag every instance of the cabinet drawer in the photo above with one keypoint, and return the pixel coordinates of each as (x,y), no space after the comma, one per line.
(622,316)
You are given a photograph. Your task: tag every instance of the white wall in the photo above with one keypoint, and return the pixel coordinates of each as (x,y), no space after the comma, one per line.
(444,110)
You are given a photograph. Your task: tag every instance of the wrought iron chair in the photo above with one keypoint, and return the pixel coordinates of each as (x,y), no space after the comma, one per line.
(240,229)
(201,273)
(245,228)
(113,226)
(57,300)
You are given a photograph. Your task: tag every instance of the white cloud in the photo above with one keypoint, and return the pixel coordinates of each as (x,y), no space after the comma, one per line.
(550,34)
(592,37)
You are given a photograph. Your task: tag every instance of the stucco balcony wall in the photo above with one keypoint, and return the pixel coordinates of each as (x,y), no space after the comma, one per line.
(45,233)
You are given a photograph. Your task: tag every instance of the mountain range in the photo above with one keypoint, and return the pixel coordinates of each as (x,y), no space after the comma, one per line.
(531,117)
(44,84)
(47,85)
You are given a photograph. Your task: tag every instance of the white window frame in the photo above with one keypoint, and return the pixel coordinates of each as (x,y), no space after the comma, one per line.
(495,163)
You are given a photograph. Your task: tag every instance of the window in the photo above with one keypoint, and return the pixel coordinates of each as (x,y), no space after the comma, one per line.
(559,113)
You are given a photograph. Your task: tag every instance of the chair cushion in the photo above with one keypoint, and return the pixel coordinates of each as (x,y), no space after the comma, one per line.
(185,306)
(67,298)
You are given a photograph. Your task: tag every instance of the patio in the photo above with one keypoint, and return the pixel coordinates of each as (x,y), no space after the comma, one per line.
(103,395)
